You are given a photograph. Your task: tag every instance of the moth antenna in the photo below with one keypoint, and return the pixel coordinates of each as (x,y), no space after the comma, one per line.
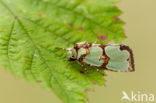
(68,49)
(61,48)
(95,41)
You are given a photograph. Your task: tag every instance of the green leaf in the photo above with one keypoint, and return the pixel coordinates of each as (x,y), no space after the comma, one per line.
(31,29)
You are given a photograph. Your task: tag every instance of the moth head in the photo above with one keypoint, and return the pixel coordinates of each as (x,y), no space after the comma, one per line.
(77,49)
(72,54)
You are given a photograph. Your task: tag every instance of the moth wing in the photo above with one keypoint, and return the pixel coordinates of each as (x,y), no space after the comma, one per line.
(93,58)
(118,59)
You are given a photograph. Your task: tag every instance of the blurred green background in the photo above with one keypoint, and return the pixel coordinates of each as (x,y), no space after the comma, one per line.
(140,28)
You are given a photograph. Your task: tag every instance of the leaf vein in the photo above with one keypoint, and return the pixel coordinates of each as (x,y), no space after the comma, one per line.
(66,40)
(80,14)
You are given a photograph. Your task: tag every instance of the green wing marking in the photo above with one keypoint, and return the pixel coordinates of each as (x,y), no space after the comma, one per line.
(81,51)
(94,56)
(118,59)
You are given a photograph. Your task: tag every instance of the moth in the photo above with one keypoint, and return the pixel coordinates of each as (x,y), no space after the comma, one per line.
(112,57)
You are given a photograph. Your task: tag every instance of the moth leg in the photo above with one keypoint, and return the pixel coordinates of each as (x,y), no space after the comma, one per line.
(84,67)
(98,70)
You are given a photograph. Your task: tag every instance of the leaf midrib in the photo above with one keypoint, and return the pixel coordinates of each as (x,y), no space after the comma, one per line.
(36,48)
